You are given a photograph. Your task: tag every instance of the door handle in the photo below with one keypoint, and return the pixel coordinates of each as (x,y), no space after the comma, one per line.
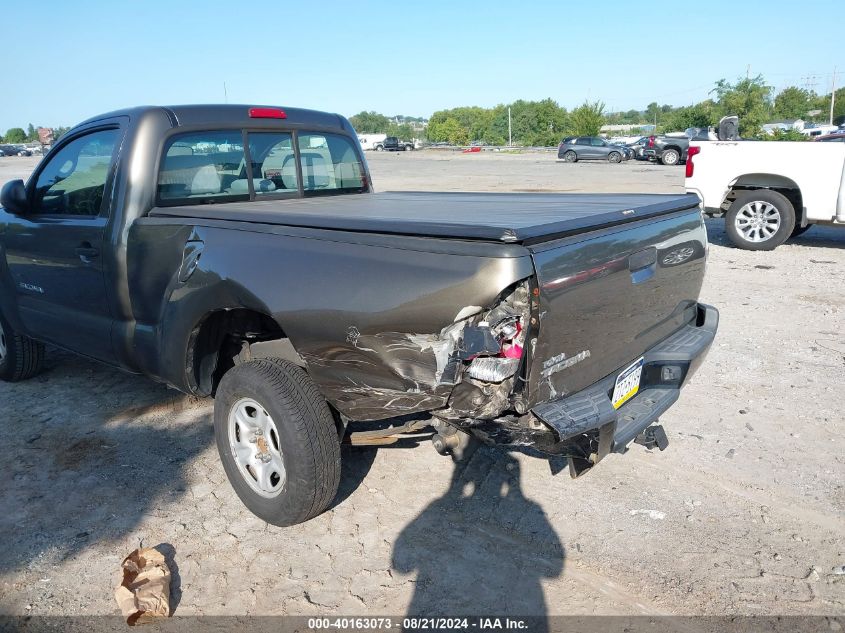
(86,251)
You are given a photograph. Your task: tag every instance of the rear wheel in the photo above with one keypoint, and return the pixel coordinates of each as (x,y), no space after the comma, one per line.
(614,157)
(760,220)
(670,157)
(379,148)
(277,440)
(570,157)
(20,356)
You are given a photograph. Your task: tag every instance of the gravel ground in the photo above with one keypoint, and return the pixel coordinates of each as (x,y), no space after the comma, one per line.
(743,514)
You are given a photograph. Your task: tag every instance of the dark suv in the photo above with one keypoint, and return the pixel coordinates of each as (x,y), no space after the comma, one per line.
(575,148)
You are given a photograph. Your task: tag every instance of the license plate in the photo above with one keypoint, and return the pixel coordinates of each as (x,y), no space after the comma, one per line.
(627,384)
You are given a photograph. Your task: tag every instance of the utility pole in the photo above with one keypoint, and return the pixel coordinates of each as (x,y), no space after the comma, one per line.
(832,93)
(510,129)
(225,94)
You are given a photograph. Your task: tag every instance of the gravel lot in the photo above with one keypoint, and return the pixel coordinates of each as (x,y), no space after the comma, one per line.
(743,514)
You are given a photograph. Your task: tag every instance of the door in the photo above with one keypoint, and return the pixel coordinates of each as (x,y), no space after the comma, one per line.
(600,148)
(585,149)
(54,251)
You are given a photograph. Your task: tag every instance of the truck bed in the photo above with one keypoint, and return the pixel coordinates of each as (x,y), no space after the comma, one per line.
(506,217)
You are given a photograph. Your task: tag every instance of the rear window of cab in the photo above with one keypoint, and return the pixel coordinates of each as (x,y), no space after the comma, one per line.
(229,165)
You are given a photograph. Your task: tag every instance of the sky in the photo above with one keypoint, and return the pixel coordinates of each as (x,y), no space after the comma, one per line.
(410,58)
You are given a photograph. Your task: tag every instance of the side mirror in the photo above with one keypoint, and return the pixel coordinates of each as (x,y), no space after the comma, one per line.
(13,197)
(729,128)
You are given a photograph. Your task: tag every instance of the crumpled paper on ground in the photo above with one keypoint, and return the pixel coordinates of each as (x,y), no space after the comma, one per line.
(144,593)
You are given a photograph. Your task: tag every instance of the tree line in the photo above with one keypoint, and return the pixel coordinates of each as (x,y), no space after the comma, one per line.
(545,123)
(29,135)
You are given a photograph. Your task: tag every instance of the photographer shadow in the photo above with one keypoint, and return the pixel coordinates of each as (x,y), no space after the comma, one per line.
(483,548)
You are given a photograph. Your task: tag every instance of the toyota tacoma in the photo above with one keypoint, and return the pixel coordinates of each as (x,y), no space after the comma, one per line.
(240,252)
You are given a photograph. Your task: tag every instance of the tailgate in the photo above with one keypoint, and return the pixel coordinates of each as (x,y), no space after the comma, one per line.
(607,296)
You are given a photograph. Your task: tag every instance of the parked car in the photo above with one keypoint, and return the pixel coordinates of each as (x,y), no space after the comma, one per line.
(575,148)
(768,192)
(14,150)
(667,150)
(817,130)
(371,141)
(835,136)
(638,148)
(393,144)
(277,282)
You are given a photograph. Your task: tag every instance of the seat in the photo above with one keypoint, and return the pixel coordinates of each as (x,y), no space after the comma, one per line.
(317,172)
(288,172)
(205,181)
(261,185)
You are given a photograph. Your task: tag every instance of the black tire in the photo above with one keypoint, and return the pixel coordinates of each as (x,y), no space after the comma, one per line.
(745,204)
(20,356)
(306,435)
(379,148)
(614,157)
(670,157)
(570,157)
(800,230)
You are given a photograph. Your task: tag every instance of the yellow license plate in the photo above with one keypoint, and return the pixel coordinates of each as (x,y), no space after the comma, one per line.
(627,383)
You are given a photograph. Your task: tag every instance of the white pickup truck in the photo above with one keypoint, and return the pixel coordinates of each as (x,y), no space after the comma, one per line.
(768,191)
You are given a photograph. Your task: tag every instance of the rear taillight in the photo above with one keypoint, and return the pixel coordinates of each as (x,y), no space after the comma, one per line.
(651,141)
(693,150)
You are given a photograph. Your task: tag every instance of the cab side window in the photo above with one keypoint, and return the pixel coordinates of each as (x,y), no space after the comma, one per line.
(73,182)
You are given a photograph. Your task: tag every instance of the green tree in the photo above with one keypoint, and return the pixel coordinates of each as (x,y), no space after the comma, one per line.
(587,119)
(31,133)
(15,135)
(453,132)
(404,131)
(533,123)
(700,115)
(793,103)
(369,122)
(749,99)
(838,106)
(783,135)
(652,112)
(60,131)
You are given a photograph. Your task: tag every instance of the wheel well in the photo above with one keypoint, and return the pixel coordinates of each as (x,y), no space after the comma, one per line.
(784,186)
(218,340)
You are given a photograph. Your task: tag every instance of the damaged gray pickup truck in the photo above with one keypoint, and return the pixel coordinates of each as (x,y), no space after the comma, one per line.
(240,252)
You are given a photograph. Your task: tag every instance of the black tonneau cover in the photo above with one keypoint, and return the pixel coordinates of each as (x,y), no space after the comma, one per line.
(506,217)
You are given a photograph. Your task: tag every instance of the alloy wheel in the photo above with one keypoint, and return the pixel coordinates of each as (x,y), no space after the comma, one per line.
(757,221)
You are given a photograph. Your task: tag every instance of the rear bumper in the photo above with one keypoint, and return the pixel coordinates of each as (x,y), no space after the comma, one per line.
(667,367)
(585,427)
